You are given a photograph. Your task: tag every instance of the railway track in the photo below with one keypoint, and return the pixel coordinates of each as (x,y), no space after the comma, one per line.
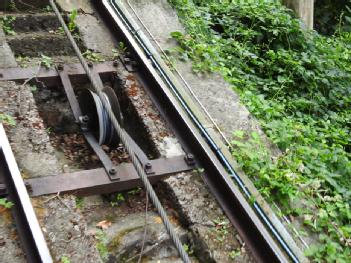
(100,117)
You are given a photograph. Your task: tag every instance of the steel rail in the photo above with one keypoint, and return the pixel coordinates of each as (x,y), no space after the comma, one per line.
(27,225)
(250,225)
(188,86)
(98,86)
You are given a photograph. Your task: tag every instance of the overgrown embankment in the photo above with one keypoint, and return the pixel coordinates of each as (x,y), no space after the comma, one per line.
(298,85)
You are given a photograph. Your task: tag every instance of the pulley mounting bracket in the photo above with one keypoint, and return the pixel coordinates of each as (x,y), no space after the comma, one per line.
(112,177)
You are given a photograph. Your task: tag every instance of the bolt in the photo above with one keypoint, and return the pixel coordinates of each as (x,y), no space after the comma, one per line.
(60,67)
(189,159)
(148,166)
(29,187)
(90,64)
(112,171)
(85,118)
(115,63)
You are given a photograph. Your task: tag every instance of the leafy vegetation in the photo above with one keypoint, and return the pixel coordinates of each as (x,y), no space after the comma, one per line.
(72,20)
(46,61)
(65,259)
(79,200)
(101,245)
(121,49)
(221,228)
(92,56)
(117,199)
(7,119)
(298,85)
(7,24)
(5,203)
(72,26)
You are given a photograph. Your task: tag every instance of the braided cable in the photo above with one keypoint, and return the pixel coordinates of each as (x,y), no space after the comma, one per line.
(98,86)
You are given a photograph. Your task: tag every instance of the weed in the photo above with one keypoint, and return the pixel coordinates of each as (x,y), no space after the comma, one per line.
(92,56)
(188,249)
(117,200)
(12,6)
(7,24)
(65,259)
(79,202)
(221,228)
(47,8)
(23,61)
(5,203)
(102,243)
(46,61)
(234,254)
(120,50)
(134,191)
(72,26)
(34,88)
(7,119)
(199,170)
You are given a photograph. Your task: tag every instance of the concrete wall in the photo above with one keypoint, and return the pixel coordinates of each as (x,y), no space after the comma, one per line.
(304,9)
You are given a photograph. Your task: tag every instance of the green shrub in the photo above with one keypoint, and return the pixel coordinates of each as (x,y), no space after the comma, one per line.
(298,85)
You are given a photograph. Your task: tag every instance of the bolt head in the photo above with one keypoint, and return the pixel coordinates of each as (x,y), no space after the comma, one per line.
(112,171)
(190,157)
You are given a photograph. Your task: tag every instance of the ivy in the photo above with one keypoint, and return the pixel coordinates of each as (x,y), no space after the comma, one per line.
(297,83)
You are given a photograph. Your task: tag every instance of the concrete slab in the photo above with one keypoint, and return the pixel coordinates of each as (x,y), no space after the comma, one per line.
(95,35)
(212,90)
(126,236)
(70,5)
(7,59)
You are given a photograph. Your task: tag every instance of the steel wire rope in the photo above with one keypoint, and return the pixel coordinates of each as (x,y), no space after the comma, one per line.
(98,85)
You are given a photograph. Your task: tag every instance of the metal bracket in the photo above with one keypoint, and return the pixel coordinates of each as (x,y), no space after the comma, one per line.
(73,102)
(111,178)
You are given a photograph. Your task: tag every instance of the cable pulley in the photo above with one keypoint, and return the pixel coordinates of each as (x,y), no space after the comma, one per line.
(97,117)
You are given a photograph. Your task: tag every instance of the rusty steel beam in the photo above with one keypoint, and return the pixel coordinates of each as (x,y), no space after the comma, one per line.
(51,77)
(97,181)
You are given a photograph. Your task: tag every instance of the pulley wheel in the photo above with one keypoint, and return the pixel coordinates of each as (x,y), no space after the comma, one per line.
(99,122)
